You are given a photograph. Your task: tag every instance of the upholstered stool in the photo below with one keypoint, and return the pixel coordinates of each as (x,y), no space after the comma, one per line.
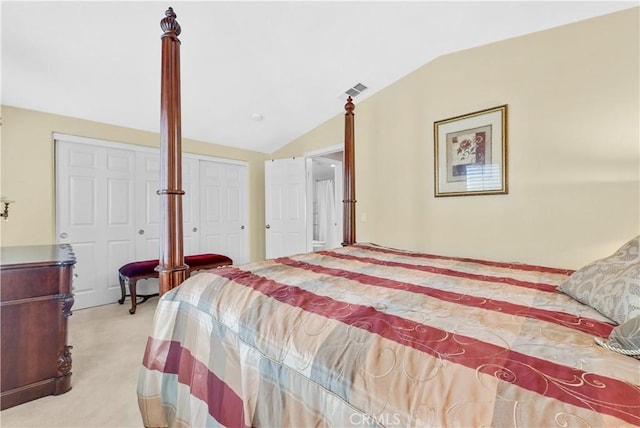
(131,273)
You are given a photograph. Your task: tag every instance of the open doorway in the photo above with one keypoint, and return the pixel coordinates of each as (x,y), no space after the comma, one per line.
(324,202)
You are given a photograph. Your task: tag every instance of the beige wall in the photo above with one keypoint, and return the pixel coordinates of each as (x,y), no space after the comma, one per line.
(573,148)
(573,152)
(28,172)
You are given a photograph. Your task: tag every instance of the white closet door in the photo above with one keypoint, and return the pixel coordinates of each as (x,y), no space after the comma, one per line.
(235,208)
(211,221)
(147,206)
(108,208)
(95,214)
(223,210)
(190,206)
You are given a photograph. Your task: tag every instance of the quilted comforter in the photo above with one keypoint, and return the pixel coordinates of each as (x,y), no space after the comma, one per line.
(372,336)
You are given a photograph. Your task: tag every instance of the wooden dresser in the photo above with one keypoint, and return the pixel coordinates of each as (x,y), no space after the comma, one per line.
(35,302)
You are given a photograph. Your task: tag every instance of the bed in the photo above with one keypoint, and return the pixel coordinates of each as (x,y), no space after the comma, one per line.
(366,335)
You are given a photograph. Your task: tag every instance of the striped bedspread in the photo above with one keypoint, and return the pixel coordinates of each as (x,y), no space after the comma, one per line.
(371,336)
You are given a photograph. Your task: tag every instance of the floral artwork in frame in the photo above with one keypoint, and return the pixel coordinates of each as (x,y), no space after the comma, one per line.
(471,153)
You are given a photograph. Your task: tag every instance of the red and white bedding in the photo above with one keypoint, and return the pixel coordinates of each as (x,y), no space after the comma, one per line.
(367,335)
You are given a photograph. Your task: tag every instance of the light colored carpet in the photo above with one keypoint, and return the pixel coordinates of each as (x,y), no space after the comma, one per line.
(108,345)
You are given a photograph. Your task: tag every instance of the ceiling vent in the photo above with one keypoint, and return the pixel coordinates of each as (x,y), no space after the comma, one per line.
(356,90)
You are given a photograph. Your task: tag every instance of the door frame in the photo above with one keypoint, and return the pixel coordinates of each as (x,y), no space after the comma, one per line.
(137,148)
(322,153)
(106,244)
(285,206)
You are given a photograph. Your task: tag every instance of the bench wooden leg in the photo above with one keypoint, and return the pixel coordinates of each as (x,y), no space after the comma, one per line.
(123,290)
(134,297)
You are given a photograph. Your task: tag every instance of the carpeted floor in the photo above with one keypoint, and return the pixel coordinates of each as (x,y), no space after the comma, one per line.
(108,345)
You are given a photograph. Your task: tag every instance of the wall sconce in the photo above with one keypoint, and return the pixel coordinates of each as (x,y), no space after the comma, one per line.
(5,213)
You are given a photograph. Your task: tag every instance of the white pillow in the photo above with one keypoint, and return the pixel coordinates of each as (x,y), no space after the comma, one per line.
(610,285)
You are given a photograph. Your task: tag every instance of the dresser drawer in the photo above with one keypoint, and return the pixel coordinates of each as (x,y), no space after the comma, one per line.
(25,283)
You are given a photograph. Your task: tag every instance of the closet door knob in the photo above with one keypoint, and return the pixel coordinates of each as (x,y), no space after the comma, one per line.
(63,235)
(141,232)
(195,229)
(268,226)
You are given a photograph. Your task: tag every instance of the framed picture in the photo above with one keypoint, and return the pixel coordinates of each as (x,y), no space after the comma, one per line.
(471,153)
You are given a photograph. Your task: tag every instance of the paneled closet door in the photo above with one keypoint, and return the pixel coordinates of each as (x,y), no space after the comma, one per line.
(223,208)
(147,206)
(235,206)
(148,211)
(108,208)
(190,206)
(95,214)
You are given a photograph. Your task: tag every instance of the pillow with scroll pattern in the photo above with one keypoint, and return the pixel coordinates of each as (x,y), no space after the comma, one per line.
(610,285)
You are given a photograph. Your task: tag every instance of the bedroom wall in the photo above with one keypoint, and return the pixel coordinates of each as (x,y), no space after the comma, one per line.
(573,148)
(28,176)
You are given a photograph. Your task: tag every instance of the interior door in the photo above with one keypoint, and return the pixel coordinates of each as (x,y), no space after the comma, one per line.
(148,206)
(235,212)
(285,207)
(223,209)
(95,214)
(190,206)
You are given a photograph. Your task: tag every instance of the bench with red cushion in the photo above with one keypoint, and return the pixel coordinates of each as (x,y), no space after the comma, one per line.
(131,273)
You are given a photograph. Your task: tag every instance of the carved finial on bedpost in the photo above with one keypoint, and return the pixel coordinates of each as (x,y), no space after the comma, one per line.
(169,25)
(349,106)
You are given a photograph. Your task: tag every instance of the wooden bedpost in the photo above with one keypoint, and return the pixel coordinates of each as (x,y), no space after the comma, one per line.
(349,216)
(171,269)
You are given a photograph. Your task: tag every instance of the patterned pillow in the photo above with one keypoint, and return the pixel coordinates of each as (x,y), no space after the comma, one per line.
(610,285)
(624,339)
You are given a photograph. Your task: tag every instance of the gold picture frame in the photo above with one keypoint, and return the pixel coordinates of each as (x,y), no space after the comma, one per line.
(471,153)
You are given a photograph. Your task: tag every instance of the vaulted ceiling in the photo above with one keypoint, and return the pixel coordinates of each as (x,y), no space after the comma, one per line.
(288,63)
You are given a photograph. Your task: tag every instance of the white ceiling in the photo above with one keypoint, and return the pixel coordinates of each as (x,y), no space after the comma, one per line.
(288,61)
